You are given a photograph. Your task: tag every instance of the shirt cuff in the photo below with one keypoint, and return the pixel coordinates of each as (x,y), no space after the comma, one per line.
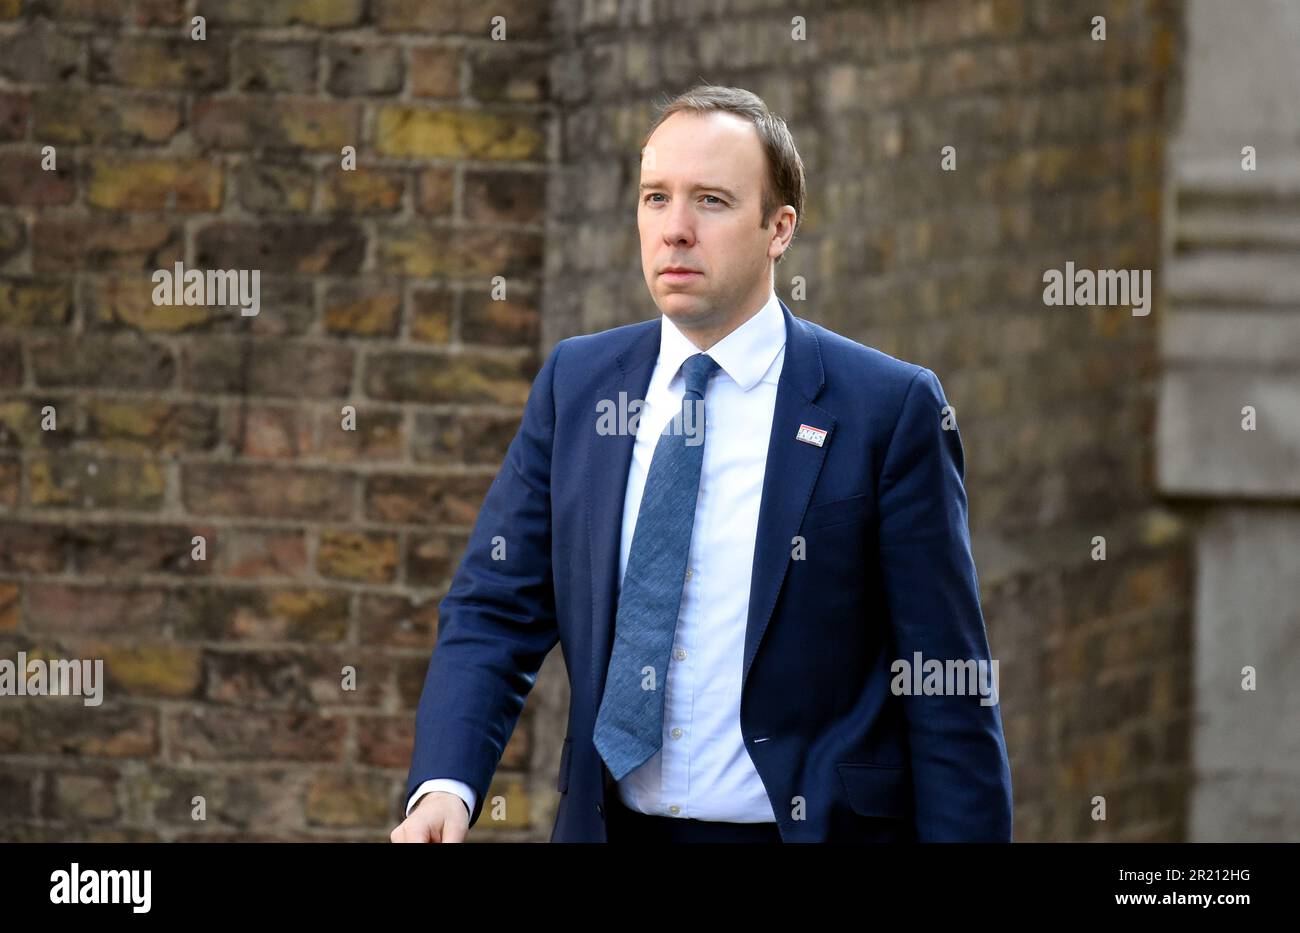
(459,788)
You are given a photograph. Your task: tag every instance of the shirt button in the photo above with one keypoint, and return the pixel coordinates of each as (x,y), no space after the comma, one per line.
(676,733)
(674,809)
(688,573)
(680,654)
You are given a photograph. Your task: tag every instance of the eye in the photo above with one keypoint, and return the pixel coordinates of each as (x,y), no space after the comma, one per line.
(652,195)
(715,197)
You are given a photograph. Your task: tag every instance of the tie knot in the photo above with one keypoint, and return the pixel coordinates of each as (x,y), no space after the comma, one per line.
(697,370)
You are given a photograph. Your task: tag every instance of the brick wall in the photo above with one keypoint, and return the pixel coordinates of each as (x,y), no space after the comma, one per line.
(329,548)
(1059,144)
(325,547)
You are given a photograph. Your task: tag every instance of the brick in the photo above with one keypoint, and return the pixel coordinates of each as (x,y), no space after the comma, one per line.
(385,742)
(505,197)
(10,611)
(364,191)
(516,322)
(398,621)
(23,181)
(306,248)
(35,303)
(126,303)
(283,123)
(431,315)
(143,425)
(322,14)
(357,556)
(94,362)
(255,553)
(99,11)
(121,303)
(227,735)
(272,187)
(104,118)
(435,71)
(524,19)
(270,799)
(9,481)
(515,804)
(154,184)
(278,67)
(11,363)
(269,432)
(293,679)
(432,559)
(518,77)
(470,437)
(160,63)
(356,68)
(348,800)
(23,421)
(112,731)
(87,481)
(17,795)
(451,499)
(435,191)
(81,797)
(268,492)
(40,54)
(162,670)
(242,614)
(15,111)
(65,244)
(418,133)
(115,548)
(448,377)
(424,252)
(13,237)
(159,12)
(363,311)
(283,369)
(379,436)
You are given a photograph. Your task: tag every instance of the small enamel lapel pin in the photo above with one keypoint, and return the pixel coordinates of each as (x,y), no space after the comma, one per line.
(810,435)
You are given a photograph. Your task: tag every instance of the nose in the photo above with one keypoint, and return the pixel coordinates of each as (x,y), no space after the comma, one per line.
(679,225)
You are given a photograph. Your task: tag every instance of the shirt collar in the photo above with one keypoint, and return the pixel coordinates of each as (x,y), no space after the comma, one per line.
(745,354)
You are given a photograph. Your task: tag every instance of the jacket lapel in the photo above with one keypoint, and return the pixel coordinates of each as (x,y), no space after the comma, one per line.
(791,474)
(607,461)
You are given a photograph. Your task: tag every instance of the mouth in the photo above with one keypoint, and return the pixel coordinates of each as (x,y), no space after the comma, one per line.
(678,275)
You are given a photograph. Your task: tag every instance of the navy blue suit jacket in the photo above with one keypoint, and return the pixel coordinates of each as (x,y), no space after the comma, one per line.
(888,572)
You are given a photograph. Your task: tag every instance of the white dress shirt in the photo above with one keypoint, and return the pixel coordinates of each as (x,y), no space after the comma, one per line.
(703,770)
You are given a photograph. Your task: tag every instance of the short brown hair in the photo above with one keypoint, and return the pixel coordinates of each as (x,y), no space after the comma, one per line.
(785,179)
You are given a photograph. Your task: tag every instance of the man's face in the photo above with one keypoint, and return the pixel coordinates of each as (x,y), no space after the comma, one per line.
(700,201)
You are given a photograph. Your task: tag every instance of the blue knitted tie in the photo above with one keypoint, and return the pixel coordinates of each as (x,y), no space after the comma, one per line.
(629,725)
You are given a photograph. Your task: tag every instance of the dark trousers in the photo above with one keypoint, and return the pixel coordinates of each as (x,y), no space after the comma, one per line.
(624,825)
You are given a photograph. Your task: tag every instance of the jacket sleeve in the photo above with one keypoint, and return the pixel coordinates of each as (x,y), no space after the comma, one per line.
(497,622)
(960,773)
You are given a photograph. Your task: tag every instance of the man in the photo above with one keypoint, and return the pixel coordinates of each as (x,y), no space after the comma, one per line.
(735,576)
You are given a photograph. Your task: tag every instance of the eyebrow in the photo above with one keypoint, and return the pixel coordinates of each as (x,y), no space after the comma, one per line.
(656,183)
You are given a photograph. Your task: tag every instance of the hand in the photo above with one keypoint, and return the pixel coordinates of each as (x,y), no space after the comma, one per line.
(438,817)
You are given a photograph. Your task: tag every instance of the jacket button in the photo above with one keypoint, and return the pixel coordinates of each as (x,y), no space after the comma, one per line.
(600,809)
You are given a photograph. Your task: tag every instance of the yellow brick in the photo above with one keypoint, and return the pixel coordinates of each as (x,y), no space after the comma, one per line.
(130,302)
(155,184)
(513,809)
(157,670)
(354,556)
(417,133)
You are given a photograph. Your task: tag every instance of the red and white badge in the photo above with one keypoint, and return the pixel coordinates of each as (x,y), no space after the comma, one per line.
(810,435)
